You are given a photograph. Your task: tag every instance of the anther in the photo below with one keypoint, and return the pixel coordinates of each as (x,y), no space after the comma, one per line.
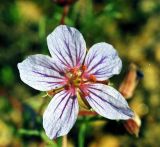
(92,78)
(74,70)
(84,67)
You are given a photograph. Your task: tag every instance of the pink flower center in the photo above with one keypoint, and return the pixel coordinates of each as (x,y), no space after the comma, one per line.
(77,77)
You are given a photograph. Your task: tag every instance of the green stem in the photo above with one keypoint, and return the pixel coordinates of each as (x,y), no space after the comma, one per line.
(81,135)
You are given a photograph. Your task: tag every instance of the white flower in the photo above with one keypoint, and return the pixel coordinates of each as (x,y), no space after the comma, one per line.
(71,71)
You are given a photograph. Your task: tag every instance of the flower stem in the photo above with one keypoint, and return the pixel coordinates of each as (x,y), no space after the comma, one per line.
(81,135)
(64,14)
(64,141)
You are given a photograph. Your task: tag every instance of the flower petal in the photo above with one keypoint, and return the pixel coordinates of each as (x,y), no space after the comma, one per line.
(60,115)
(102,61)
(108,102)
(41,73)
(66,44)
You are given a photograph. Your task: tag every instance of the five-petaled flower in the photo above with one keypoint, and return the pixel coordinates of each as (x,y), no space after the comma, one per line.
(73,72)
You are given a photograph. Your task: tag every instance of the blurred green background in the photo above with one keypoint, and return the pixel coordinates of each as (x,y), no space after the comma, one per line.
(131,26)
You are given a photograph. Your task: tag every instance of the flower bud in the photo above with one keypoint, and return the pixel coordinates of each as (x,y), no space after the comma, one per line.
(130,81)
(133,125)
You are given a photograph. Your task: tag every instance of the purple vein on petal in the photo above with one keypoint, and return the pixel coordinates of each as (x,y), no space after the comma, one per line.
(45,75)
(64,107)
(99,72)
(49,66)
(67,98)
(63,58)
(104,100)
(99,62)
(95,102)
(77,57)
(71,110)
(59,51)
(61,100)
(93,56)
(66,42)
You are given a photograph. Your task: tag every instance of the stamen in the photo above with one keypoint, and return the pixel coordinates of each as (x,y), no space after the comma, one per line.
(74,70)
(92,78)
(55,91)
(84,68)
(75,77)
